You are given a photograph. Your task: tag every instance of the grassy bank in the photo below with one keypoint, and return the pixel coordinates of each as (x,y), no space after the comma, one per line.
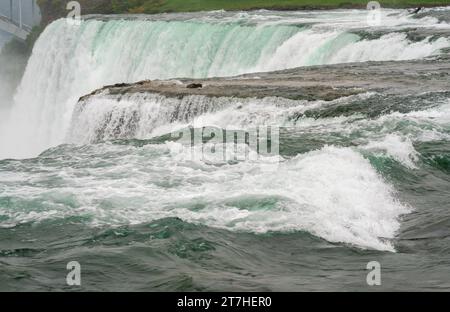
(158,6)
(56,8)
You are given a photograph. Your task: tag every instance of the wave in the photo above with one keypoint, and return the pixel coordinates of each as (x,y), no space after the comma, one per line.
(333,193)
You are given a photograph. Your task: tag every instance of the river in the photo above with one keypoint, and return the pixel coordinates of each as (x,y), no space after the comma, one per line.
(359,178)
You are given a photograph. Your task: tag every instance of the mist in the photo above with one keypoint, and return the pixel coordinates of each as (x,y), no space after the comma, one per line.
(13,59)
(14,53)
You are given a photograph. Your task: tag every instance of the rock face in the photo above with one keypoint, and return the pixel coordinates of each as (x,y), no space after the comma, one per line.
(308,83)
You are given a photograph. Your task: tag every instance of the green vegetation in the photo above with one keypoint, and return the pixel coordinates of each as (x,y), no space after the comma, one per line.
(158,6)
(56,8)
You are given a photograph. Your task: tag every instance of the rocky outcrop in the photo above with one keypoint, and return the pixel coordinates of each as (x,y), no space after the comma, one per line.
(307,83)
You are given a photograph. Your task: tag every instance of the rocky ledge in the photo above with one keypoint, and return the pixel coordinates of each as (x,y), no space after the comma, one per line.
(306,83)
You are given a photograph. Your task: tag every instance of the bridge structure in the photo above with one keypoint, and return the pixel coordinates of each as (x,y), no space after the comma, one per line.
(12,22)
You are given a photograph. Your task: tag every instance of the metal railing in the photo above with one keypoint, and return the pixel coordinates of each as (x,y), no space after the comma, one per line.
(9,18)
(22,26)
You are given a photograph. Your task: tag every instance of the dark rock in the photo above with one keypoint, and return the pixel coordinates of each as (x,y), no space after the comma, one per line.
(194,86)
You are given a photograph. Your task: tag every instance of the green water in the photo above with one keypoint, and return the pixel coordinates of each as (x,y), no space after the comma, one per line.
(358,179)
(222,228)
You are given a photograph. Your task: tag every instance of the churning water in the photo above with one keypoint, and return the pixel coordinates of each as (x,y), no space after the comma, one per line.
(358,179)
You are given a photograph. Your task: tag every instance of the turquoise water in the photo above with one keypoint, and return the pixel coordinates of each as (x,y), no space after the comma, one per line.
(69,61)
(102,182)
(350,189)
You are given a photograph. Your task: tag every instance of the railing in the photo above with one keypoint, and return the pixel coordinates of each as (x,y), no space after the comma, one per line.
(16,27)
(25,27)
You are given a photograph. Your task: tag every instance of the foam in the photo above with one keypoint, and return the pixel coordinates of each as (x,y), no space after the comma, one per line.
(399,148)
(332,193)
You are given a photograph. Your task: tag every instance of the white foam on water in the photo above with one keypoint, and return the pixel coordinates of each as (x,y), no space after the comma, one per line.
(312,48)
(332,193)
(399,148)
(105,117)
(439,114)
(143,116)
(387,130)
(394,46)
(433,135)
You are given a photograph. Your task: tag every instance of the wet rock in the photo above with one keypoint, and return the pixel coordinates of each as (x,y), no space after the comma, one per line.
(313,83)
(194,86)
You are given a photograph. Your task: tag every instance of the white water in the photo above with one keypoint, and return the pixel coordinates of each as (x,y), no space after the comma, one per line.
(141,116)
(70,61)
(333,193)
(115,115)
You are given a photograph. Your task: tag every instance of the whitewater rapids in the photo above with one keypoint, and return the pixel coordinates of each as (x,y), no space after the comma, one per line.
(361,172)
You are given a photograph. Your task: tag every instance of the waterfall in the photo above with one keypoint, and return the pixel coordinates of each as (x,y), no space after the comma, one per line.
(69,61)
